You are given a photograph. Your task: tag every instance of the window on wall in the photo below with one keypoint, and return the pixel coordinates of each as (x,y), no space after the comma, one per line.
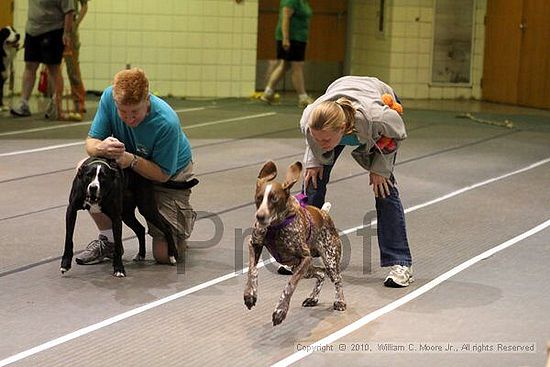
(452,48)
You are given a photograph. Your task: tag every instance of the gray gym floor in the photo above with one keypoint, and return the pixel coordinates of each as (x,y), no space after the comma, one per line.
(478,211)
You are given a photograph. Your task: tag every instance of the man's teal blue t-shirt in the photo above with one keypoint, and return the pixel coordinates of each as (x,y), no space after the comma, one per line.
(158,137)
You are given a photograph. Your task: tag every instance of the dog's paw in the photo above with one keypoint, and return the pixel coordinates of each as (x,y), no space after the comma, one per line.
(250,300)
(278,316)
(138,258)
(119,273)
(173,260)
(310,302)
(340,305)
(65,265)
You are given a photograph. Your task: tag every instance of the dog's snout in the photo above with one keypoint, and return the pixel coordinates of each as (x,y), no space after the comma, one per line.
(93,189)
(260,218)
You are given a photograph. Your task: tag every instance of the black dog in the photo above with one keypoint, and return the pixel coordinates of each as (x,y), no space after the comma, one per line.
(100,185)
(9,44)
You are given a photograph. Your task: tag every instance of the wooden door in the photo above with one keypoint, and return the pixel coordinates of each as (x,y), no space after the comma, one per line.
(6,13)
(502,44)
(534,70)
(516,67)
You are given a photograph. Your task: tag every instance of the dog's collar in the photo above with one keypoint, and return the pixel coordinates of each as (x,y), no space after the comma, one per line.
(273,229)
(100,161)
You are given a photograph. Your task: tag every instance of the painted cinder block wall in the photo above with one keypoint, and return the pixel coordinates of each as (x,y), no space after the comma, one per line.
(207,48)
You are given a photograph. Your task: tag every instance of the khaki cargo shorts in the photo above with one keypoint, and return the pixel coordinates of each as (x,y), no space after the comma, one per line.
(174,205)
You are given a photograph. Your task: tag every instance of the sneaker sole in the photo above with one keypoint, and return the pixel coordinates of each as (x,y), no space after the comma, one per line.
(390,283)
(93,262)
(17,114)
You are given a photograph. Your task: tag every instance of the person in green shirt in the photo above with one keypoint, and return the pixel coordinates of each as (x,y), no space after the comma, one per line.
(291,35)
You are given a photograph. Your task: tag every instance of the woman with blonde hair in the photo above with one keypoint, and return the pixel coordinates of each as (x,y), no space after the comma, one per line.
(362,112)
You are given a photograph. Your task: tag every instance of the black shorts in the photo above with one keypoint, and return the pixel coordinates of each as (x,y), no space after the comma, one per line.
(297,51)
(46,48)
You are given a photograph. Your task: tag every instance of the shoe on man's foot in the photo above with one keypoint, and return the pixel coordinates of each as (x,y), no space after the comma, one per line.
(284,270)
(399,276)
(267,98)
(22,110)
(96,251)
(303,102)
(52,112)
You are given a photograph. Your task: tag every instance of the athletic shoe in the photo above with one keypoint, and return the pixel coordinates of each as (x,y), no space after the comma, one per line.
(305,101)
(96,251)
(267,98)
(399,276)
(22,110)
(51,111)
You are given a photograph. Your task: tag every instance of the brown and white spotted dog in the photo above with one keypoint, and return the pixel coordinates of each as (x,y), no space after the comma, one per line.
(293,234)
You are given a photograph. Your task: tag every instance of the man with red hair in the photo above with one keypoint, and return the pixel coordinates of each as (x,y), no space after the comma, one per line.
(142,132)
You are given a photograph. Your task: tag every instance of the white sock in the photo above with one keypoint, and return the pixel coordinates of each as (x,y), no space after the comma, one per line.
(302,96)
(109,234)
(269,91)
(25,102)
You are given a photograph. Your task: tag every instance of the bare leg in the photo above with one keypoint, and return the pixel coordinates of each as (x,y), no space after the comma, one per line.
(54,77)
(297,74)
(29,77)
(277,74)
(160,250)
(102,221)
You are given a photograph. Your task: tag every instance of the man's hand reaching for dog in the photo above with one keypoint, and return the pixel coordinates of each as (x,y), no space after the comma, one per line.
(380,185)
(111,148)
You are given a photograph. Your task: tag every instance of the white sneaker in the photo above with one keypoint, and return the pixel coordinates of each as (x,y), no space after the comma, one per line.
(399,276)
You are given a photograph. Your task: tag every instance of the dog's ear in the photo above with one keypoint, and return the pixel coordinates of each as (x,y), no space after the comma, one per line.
(268,171)
(4,34)
(292,175)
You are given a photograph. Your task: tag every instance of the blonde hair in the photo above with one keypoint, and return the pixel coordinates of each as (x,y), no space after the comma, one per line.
(334,115)
(130,86)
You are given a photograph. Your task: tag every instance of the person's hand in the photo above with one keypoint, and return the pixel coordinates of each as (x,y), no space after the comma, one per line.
(286,44)
(125,160)
(380,185)
(111,148)
(67,40)
(312,174)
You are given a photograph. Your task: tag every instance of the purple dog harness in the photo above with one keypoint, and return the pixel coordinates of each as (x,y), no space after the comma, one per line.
(272,230)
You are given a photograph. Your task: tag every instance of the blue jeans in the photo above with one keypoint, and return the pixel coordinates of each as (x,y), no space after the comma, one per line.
(391,229)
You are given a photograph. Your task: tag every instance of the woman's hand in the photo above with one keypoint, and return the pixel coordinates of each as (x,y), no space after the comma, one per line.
(286,44)
(111,148)
(380,185)
(312,174)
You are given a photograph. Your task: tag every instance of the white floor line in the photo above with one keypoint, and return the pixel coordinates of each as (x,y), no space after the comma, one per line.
(73,124)
(185,128)
(78,333)
(409,297)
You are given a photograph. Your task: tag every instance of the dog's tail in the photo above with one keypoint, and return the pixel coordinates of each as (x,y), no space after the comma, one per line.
(326,207)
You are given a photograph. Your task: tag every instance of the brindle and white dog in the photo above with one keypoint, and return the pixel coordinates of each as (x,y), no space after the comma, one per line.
(293,234)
